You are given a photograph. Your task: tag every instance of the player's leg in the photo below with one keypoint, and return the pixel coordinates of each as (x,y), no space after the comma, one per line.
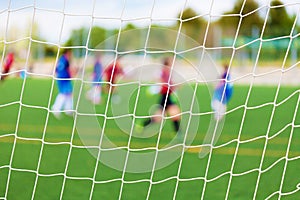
(68,92)
(158,114)
(68,104)
(156,118)
(60,98)
(5,71)
(111,86)
(94,94)
(219,109)
(174,112)
(97,94)
(58,104)
(115,98)
(147,122)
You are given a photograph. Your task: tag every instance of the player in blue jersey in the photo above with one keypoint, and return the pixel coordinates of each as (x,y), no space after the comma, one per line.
(64,99)
(94,94)
(222,95)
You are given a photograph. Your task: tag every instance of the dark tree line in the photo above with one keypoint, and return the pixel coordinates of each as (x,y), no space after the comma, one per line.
(246,20)
(246,16)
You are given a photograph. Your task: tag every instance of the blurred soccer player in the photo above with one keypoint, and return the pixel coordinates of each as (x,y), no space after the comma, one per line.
(113,71)
(7,64)
(222,95)
(64,99)
(166,101)
(94,94)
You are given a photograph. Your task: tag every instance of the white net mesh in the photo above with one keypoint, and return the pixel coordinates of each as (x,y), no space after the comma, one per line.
(98,151)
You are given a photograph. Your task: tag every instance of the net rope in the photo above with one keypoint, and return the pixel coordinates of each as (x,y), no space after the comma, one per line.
(275,103)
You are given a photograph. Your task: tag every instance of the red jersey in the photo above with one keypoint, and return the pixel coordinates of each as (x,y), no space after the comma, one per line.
(8,62)
(165,75)
(112,71)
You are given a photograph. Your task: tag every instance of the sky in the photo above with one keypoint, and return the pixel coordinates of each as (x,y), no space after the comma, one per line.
(54,26)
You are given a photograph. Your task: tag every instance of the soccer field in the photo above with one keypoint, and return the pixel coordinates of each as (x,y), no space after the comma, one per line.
(46,158)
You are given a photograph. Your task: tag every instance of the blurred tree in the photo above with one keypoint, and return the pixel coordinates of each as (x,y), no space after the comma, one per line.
(37,49)
(249,22)
(129,26)
(192,25)
(79,37)
(279,22)
(98,35)
(50,51)
(131,38)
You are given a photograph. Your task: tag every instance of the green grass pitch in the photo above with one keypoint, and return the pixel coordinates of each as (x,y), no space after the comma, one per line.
(77,173)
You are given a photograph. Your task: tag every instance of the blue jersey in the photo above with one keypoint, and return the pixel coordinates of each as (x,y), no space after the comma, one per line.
(62,71)
(97,74)
(224,85)
(62,68)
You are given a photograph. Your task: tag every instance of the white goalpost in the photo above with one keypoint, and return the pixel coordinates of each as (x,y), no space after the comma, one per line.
(137,141)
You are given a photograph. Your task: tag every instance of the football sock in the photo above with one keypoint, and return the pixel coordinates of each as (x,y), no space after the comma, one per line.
(147,122)
(176,125)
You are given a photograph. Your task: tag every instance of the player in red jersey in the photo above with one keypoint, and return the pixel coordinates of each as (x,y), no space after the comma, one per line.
(112,72)
(7,64)
(166,101)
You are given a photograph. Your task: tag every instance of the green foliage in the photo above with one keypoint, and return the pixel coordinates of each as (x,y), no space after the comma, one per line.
(253,20)
(79,38)
(192,25)
(279,22)
(131,38)
(50,51)
(98,35)
(245,18)
(249,26)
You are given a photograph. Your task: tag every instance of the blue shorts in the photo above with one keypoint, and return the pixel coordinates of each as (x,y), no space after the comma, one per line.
(65,86)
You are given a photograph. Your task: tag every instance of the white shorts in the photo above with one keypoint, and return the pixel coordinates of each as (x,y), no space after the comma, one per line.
(219,109)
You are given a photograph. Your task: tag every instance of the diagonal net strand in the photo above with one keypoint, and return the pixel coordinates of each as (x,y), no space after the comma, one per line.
(247,99)
(136,102)
(74,143)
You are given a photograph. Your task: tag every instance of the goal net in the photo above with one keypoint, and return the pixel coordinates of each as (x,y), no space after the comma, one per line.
(155,99)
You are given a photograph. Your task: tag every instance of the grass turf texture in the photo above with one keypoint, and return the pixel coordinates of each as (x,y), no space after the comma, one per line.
(31,125)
